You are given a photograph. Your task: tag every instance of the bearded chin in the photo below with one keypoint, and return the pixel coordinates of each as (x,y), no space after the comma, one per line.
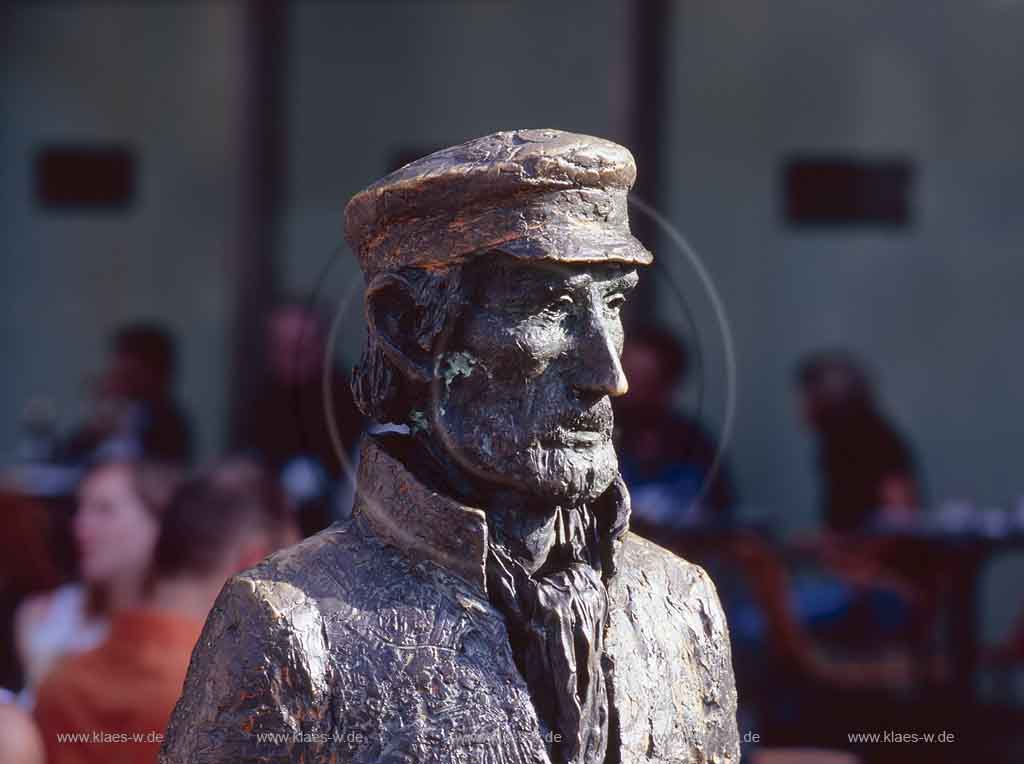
(575,477)
(554,475)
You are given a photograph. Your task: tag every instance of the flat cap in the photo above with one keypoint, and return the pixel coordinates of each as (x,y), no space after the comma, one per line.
(543,194)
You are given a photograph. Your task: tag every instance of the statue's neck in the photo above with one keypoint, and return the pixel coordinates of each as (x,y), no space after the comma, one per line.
(527,527)
(527,536)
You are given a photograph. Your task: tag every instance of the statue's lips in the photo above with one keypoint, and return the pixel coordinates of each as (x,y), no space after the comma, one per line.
(585,429)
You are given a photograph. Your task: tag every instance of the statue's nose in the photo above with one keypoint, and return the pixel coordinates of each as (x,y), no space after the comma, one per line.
(598,368)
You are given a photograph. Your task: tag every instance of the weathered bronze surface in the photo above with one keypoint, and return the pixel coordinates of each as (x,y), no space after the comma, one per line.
(486,603)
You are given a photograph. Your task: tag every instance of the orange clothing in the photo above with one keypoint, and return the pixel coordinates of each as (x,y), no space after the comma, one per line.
(111,705)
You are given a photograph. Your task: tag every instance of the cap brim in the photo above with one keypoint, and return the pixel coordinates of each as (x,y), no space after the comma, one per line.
(579,244)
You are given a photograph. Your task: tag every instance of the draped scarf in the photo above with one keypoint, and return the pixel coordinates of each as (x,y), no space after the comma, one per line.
(556,621)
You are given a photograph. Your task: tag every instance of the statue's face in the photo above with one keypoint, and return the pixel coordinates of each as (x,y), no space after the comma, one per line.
(524,399)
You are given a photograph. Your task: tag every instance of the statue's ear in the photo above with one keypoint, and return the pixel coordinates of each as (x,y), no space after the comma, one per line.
(393,315)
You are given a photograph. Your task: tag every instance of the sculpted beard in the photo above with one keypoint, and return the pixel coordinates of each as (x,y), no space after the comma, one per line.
(576,476)
(566,456)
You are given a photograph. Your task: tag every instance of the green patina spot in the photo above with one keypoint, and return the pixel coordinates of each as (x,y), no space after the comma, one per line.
(458,365)
(417,421)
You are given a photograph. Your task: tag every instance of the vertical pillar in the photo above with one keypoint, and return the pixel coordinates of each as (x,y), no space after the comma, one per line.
(640,103)
(262,124)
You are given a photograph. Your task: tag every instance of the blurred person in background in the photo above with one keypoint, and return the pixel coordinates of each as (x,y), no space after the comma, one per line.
(667,458)
(20,742)
(286,424)
(828,638)
(115,528)
(217,524)
(869,483)
(134,413)
(867,470)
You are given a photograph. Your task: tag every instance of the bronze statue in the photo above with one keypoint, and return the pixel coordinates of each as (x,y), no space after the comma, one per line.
(486,602)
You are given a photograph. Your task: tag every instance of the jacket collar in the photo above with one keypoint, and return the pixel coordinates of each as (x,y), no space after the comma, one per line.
(417,520)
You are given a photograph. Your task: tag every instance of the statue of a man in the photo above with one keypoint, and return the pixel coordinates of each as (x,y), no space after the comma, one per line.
(485,603)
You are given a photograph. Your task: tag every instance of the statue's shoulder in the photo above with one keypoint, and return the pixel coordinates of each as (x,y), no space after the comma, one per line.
(285,600)
(321,566)
(262,660)
(669,658)
(644,563)
(659,596)
(286,595)
(343,575)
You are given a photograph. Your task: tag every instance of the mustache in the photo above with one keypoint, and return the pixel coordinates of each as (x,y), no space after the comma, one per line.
(597,418)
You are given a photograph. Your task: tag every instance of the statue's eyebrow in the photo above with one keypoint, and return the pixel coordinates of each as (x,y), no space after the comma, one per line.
(622,283)
(541,280)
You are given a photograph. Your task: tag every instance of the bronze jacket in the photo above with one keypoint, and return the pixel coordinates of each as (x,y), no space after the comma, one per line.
(375,642)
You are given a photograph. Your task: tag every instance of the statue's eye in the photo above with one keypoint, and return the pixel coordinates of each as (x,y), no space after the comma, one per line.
(616,301)
(560,303)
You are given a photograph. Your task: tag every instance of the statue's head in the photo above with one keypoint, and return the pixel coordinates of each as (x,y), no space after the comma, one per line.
(496,274)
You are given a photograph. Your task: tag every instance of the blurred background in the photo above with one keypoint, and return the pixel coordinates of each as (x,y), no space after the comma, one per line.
(172,181)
